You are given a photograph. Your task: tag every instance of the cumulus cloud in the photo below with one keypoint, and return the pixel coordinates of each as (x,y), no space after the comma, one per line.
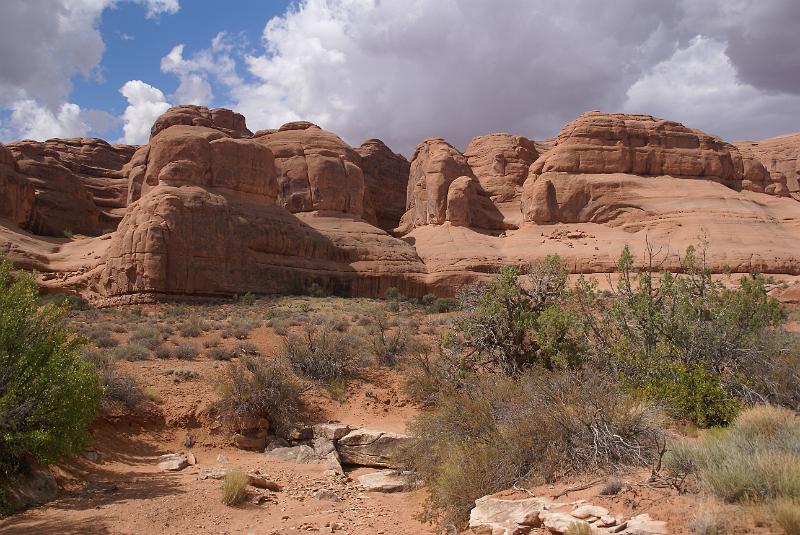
(699,86)
(145,104)
(45,44)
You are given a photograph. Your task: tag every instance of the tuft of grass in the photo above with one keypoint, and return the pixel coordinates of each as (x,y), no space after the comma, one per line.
(756,459)
(578,528)
(192,327)
(131,352)
(147,336)
(787,515)
(705,522)
(234,487)
(163,352)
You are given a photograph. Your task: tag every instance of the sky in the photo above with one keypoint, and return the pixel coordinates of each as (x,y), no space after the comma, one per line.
(398,70)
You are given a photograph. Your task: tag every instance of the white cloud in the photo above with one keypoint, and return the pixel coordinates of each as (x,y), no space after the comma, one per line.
(145,104)
(699,86)
(29,120)
(154,8)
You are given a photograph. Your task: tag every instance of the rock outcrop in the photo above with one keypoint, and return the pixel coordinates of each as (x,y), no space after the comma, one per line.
(385,183)
(501,163)
(317,171)
(79,183)
(780,156)
(440,175)
(16,194)
(224,120)
(206,208)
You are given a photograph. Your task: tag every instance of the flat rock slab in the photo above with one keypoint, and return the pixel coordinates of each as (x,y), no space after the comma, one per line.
(388,481)
(330,431)
(498,516)
(644,525)
(368,447)
(295,454)
(173,462)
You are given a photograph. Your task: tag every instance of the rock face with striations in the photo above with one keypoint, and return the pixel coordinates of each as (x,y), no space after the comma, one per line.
(80,184)
(385,183)
(317,171)
(16,194)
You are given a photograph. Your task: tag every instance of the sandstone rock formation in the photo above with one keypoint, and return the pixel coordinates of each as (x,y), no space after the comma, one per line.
(440,175)
(780,157)
(316,169)
(79,183)
(16,194)
(222,119)
(385,182)
(209,209)
(501,162)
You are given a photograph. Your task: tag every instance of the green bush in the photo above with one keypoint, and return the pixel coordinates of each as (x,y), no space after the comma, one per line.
(48,394)
(689,342)
(516,322)
(132,352)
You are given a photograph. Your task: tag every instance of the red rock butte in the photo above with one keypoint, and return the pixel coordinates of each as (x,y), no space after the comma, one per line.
(209,208)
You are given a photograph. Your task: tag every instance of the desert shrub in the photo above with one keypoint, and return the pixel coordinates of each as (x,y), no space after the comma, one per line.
(185,351)
(234,487)
(436,370)
(787,515)
(163,351)
(322,353)
(132,352)
(393,294)
(220,353)
(688,342)
(706,522)
(387,345)
(497,431)
(279,325)
(72,302)
(123,388)
(214,341)
(756,459)
(315,290)
(438,305)
(104,340)
(247,299)
(148,336)
(192,327)
(257,387)
(48,394)
(240,328)
(517,322)
(612,487)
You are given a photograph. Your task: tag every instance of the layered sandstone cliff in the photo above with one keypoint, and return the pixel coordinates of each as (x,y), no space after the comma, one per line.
(208,208)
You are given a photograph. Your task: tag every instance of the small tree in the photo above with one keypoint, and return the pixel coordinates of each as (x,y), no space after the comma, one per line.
(48,394)
(514,321)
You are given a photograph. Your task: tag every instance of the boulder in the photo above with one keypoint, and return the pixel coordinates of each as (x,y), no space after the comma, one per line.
(644,525)
(500,163)
(558,523)
(368,447)
(255,442)
(172,462)
(295,454)
(385,183)
(316,170)
(388,481)
(494,515)
(539,201)
(332,431)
